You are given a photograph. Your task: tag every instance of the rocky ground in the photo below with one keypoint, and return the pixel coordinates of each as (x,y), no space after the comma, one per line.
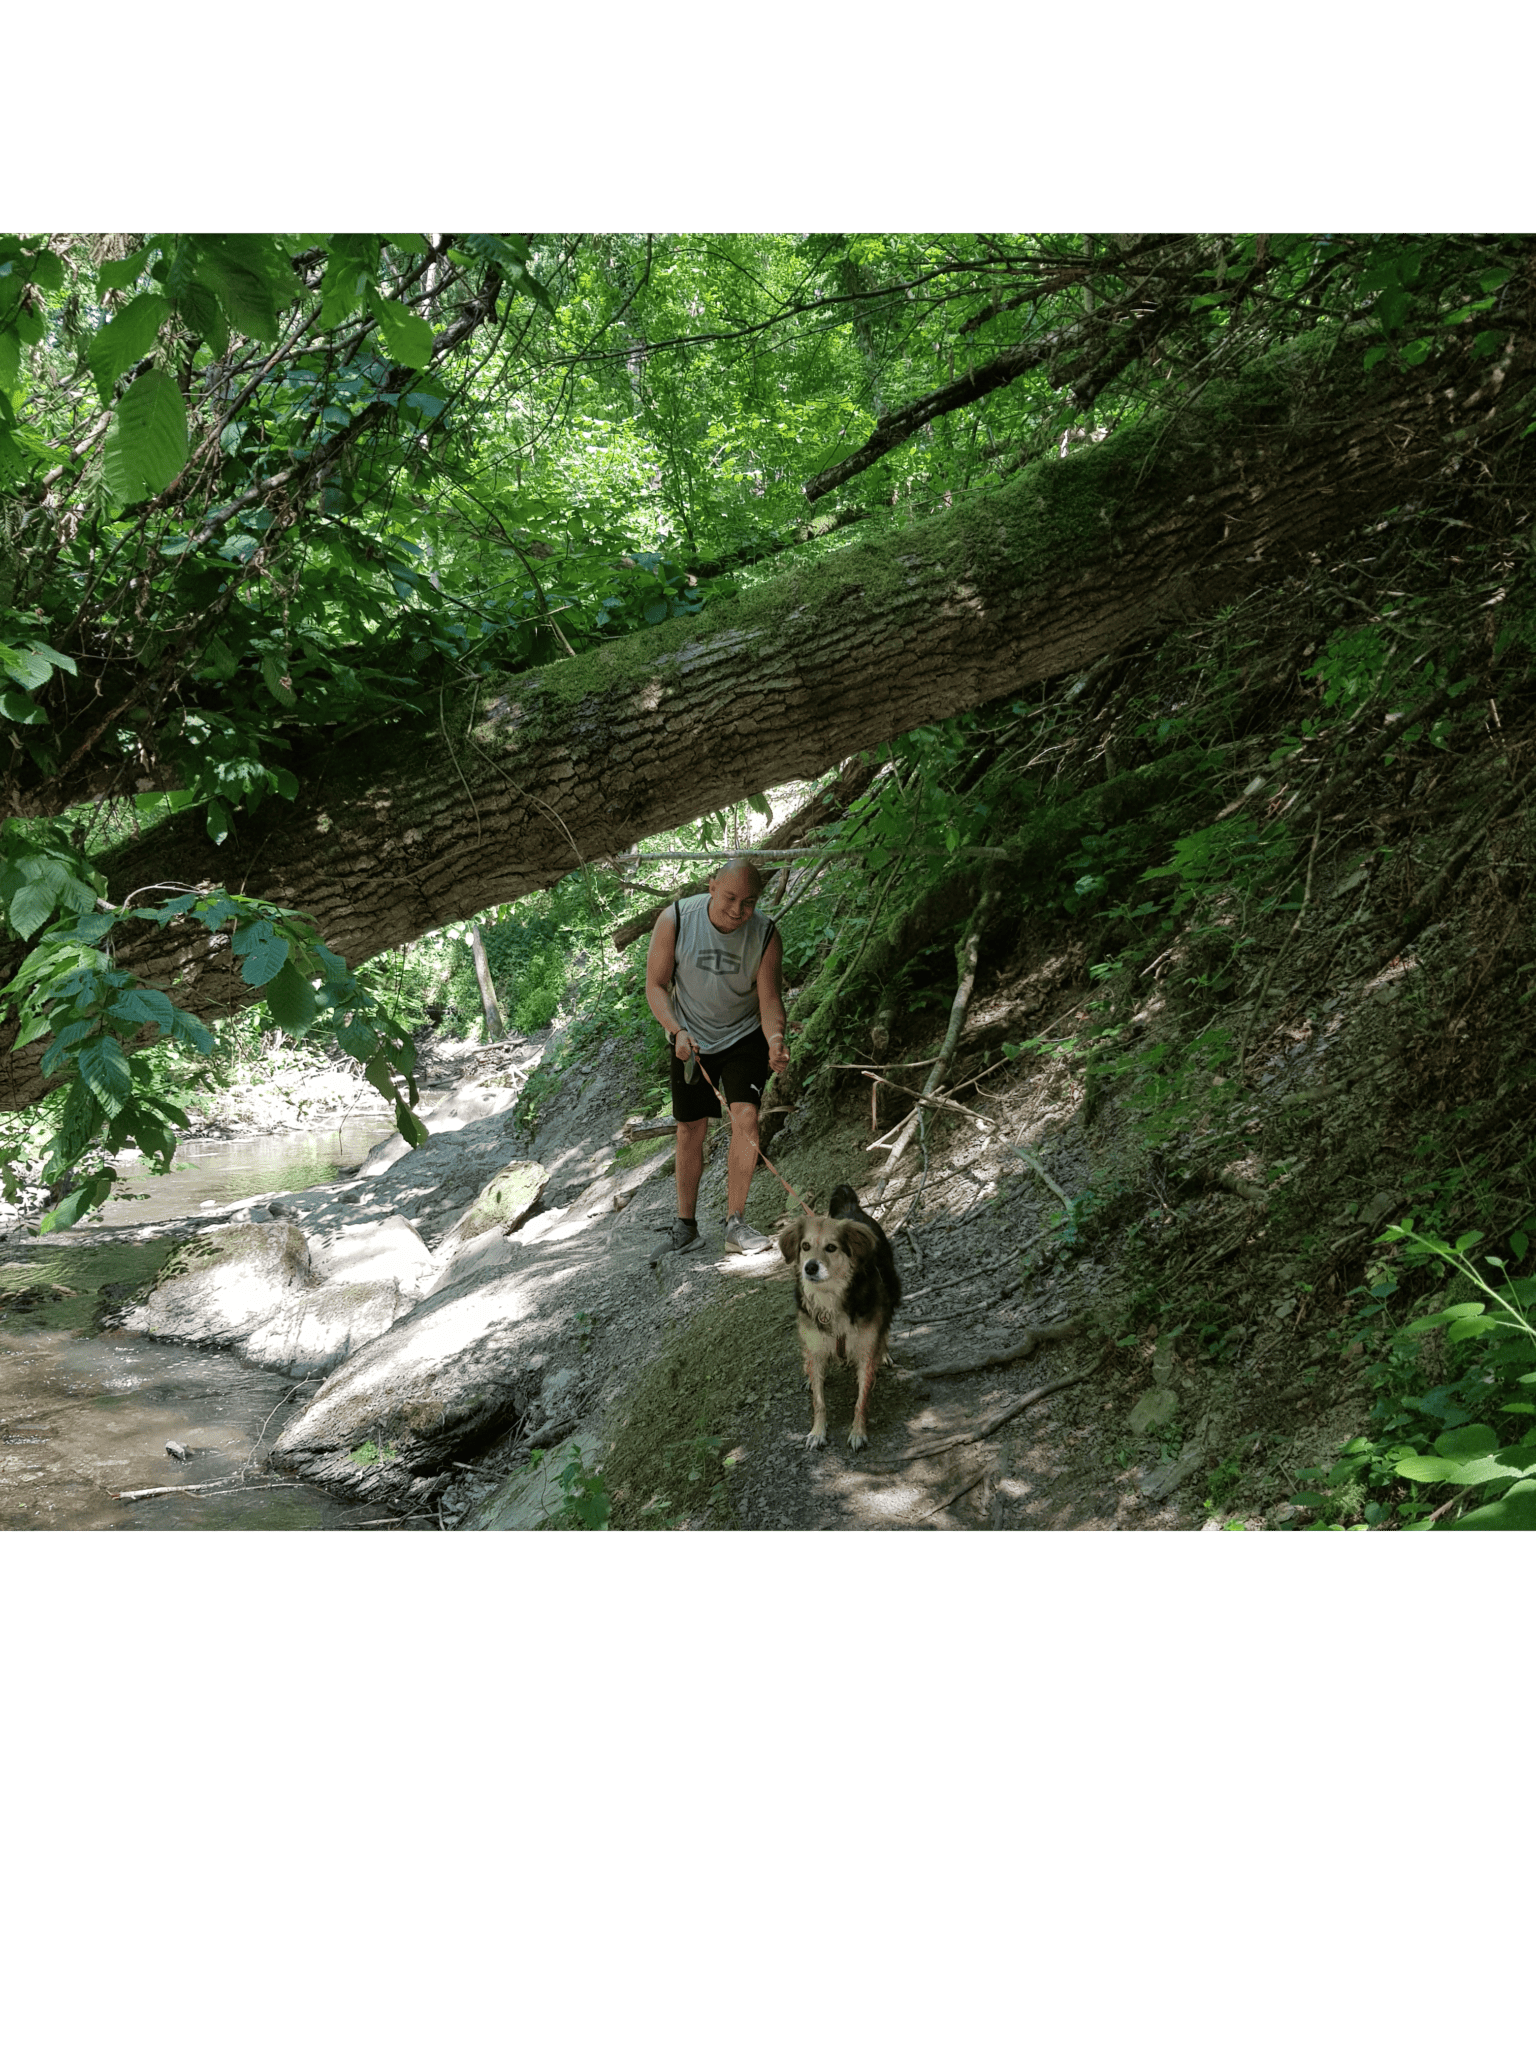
(429,1361)
(487,1332)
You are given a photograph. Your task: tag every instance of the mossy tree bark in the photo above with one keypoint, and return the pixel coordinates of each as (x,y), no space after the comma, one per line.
(402,829)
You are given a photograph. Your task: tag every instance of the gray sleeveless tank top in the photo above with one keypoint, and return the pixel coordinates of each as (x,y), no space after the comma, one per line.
(714,982)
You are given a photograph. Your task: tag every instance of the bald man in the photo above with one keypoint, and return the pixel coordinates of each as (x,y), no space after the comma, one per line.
(713,981)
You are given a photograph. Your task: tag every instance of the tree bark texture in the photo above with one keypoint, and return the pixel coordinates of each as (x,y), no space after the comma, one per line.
(405,828)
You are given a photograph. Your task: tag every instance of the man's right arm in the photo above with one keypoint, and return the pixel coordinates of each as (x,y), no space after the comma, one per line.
(660,962)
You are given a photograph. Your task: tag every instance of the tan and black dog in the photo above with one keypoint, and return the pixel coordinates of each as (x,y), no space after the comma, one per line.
(846,1291)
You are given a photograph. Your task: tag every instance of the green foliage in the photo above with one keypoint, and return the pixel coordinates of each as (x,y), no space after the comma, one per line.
(1442,1381)
(584,1502)
(68,990)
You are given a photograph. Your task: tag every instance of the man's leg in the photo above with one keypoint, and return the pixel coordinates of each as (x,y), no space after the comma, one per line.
(690,1165)
(740,1236)
(743,1156)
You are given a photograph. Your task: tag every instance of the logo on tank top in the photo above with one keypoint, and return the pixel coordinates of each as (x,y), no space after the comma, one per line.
(714,960)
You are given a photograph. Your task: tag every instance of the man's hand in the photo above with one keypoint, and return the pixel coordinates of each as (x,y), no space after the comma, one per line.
(778,1055)
(684,1047)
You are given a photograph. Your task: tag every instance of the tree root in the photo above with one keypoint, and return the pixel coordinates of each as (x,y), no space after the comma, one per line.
(989,1427)
(1042,1334)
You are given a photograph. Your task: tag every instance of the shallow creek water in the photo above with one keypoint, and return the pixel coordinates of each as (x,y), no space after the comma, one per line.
(85,1417)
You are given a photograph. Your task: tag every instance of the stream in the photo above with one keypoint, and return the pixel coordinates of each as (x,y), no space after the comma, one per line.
(85,1417)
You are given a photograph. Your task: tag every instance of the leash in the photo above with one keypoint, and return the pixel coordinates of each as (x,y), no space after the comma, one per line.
(725,1107)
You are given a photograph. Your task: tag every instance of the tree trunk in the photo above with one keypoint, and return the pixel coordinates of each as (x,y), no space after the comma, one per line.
(490,1009)
(402,829)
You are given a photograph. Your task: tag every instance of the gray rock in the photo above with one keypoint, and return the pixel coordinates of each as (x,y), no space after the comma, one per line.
(1158,1481)
(1156,1407)
(505,1201)
(386,1248)
(448,1377)
(528,1498)
(219,1287)
(316,1331)
(479,1260)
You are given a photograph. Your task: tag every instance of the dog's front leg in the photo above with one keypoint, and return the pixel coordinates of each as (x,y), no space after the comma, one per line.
(866,1364)
(816,1373)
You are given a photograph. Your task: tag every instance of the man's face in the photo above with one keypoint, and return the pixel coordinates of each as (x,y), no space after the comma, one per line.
(732,900)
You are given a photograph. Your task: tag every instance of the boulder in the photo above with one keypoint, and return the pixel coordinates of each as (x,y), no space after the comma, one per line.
(316,1331)
(384,1248)
(450,1376)
(471,1102)
(219,1287)
(502,1204)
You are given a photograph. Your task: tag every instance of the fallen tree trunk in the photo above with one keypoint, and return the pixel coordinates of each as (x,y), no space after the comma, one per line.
(407,827)
(818,810)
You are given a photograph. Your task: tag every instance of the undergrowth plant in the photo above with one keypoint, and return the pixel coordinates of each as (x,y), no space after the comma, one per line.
(1444,1384)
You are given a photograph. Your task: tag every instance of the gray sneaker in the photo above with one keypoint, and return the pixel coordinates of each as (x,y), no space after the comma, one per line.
(741,1237)
(682,1233)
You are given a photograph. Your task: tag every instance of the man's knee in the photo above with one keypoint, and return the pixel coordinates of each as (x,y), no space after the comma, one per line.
(692,1132)
(744,1118)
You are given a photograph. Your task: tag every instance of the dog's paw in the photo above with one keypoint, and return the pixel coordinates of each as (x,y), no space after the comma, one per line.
(817,1440)
(857,1438)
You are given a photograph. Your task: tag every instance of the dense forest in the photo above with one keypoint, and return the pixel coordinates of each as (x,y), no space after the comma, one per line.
(1163,598)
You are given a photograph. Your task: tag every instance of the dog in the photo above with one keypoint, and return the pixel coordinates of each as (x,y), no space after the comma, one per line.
(846,1291)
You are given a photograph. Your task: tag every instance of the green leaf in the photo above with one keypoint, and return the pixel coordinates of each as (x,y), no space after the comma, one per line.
(198,305)
(291,1000)
(252,278)
(118,273)
(195,1033)
(21,710)
(410,1128)
(277,682)
(144,1006)
(131,333)
(32,906)
(68,1037)
(147,443)
(63,661)
(104,1069)
(10,359)
(28,666)
(265,955)
(405,335)
(1516,1510)
(74,1205)
(1476,1463)
(1471,1442)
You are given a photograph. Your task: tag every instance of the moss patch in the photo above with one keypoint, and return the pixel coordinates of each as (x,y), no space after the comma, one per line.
(642,1149)
(703,1385)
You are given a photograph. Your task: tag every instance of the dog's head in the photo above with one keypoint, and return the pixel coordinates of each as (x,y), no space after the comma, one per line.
(826,1249)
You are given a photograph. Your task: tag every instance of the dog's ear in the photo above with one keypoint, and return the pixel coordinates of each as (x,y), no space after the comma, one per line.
(789,1240)
(858,1240)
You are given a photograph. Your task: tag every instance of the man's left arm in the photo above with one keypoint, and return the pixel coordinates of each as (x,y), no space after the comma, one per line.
(770,1003)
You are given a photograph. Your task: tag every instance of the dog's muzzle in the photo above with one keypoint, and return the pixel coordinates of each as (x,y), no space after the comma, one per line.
(815,1270)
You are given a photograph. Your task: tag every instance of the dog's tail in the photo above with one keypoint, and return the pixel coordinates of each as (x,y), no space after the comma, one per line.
(844,1202)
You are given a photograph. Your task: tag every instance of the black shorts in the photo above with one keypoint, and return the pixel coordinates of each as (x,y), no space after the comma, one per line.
(740,1073)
